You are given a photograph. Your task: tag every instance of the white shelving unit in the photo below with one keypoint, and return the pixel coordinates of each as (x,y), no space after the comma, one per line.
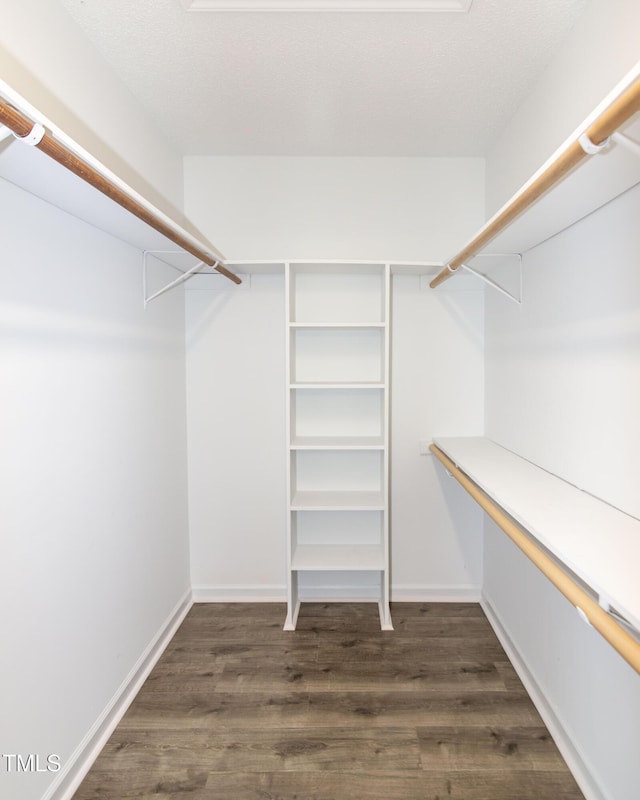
(337,337)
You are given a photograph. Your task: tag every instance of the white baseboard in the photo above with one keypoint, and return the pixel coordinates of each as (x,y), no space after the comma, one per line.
(400,593)
(237,593)
(77,766)
(428,593)
(572,757)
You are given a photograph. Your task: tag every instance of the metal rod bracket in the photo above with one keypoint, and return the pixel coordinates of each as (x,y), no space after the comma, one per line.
(494,285)
(626,141)
(184,276)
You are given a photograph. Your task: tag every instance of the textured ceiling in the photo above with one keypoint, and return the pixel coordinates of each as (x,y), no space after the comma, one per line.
(362,84)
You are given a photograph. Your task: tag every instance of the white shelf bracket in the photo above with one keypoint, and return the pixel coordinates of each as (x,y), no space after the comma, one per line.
(486,279)
(626,141)
(184,276)
(604,603)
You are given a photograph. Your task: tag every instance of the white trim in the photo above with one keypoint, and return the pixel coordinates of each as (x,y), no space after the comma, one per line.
(579,769)
(430,593)
(82,759)
(240,593)
(400,593)
(398,6)
(330,593)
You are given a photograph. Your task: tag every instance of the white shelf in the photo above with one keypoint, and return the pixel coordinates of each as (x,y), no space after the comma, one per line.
(337,501)
(336,385)
(338,558)
(598,543)
(337,443)
(597,181)
(277,267)
(38,174)
(337,325)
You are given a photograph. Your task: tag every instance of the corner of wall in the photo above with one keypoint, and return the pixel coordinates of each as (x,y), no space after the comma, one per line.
(88,750)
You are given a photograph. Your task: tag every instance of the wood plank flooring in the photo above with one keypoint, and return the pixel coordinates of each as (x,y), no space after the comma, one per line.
(238,709)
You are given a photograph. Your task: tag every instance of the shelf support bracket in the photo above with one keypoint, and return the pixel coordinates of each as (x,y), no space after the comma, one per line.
(486,279)
(184,276)
(626,141)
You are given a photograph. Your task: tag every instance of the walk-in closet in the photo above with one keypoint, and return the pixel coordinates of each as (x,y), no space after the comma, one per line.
(319,390)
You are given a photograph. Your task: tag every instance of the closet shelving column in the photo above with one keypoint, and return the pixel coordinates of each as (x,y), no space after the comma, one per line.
(338,434)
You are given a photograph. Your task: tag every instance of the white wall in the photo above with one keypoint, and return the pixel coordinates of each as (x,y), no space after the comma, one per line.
(45,57)
(563,377)
(437,390)
(93,500)
(93,505)
(236,412)
(602,48)
(563,390)
(418,209)
(328,208)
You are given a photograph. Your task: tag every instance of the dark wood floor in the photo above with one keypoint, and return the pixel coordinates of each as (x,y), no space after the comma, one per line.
(237,709)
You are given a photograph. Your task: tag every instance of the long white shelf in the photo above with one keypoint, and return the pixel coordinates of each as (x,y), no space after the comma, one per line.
(596,164)
(338,557)
(35,172)
(597,542)
(595,183)
(277,267)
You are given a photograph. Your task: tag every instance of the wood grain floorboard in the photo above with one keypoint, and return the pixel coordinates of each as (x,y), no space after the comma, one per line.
(284,749)
(489,748)
(330,709)
(238,709)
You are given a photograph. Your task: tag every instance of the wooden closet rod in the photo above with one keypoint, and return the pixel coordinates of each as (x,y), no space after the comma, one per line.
(621,110)
(614,633)
(21,126)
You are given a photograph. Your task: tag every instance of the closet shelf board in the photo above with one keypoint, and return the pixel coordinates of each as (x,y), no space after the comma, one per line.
(598,543)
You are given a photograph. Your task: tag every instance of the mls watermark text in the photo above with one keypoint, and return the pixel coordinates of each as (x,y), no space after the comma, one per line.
(32,762)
